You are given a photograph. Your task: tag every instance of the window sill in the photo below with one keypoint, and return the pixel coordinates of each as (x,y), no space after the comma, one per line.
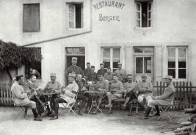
(143,28)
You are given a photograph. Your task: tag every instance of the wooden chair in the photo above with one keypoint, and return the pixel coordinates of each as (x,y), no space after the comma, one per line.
(166,109)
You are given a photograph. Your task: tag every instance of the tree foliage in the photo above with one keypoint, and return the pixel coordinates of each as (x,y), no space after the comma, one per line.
(12,55)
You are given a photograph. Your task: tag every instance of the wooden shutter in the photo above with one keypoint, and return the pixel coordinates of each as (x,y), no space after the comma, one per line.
(31,17)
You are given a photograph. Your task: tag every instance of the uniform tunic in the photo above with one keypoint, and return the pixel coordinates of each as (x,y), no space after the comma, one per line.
(102,85)
(87,71)
(121,74)
(51,87)
(116,89)
(165,98)
(143,88)
(69,96)
(92,77)
(130,86)
(101,72)
(108,76)
(75,69)
(20,97)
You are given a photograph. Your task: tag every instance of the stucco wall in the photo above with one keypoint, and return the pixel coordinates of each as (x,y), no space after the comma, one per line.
(173,24)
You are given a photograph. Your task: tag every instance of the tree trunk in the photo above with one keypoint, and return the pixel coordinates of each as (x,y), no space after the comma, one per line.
(8,72)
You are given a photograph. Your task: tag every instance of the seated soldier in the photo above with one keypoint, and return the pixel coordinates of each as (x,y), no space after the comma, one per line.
(164,99)
(102,87)
(34,90)
(67,96)
(20,98)
(145,90)
(116,91)
(108,75)
(53,89)
(130,88)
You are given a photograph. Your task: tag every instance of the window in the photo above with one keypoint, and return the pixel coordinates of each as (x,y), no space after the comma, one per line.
(143,13)
(31,17)
(143,59)
(177,62)
(75,15)
(111,57)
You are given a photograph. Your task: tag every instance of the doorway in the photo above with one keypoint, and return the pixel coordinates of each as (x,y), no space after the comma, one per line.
(144,63)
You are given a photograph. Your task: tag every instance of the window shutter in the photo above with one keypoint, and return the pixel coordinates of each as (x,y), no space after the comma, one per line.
(139,14)
(71,16)
(31,17)
(82,17)
(149,15)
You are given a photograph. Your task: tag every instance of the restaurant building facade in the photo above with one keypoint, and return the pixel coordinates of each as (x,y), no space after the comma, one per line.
(152,37)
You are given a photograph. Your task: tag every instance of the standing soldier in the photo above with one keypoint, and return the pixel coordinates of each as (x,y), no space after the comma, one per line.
(92,76)
(87,70)
(120,73)
(74,68)
(101,71)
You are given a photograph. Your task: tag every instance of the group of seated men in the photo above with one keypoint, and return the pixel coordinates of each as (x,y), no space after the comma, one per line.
(110,84)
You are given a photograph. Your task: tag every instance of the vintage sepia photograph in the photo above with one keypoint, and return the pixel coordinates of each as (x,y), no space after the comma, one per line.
(97,67)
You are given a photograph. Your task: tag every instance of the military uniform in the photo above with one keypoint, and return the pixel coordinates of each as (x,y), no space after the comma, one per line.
(143,88)
(108,76)
(75,69)
(101,71)
(51,87)
(20,97)
(131,88)
(87,71)
(92,77)
(121,74)
(165,98)
(116,89)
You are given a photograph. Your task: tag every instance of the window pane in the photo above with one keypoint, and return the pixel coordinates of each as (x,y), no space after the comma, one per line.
(115,64)
(171,64)
(116,53)
(171,52)
(149,6)
(172,72)
(31,17)
(138,6)
(71,16)
(148,50)
(138,23)
(182,73)
(182,64)
(182,52)
(149,23)
(139,65)
(106,53)
(149,15)
(138,50)
(138,15)
(147,65)
(78,15)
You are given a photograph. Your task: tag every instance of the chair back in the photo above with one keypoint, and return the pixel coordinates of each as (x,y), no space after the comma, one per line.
(173,99)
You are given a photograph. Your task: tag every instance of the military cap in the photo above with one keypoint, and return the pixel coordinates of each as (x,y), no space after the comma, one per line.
(52,74)
(72,75)
(168,77)
(74,58)
(18,77)
(129,75)
(92,66)
(101,63)
(88,63)
(143,76)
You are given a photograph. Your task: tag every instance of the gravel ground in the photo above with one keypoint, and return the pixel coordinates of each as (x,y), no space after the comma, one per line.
(13,123)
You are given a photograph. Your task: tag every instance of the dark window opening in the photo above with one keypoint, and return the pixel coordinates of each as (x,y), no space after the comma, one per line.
(78,16)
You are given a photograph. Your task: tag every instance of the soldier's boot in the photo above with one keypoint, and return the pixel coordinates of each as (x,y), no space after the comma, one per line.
(55,116)
(36,117)
(158,111)
(110,110)
(82,104)
(147,112)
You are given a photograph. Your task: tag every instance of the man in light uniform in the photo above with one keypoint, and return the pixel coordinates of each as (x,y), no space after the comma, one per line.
(116,91)
(145,90)
(67,96)
(20,98)
(130,91)
(120,73)
(164,99)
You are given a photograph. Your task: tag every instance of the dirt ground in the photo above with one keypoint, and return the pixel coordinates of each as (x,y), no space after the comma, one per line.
(12,122)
